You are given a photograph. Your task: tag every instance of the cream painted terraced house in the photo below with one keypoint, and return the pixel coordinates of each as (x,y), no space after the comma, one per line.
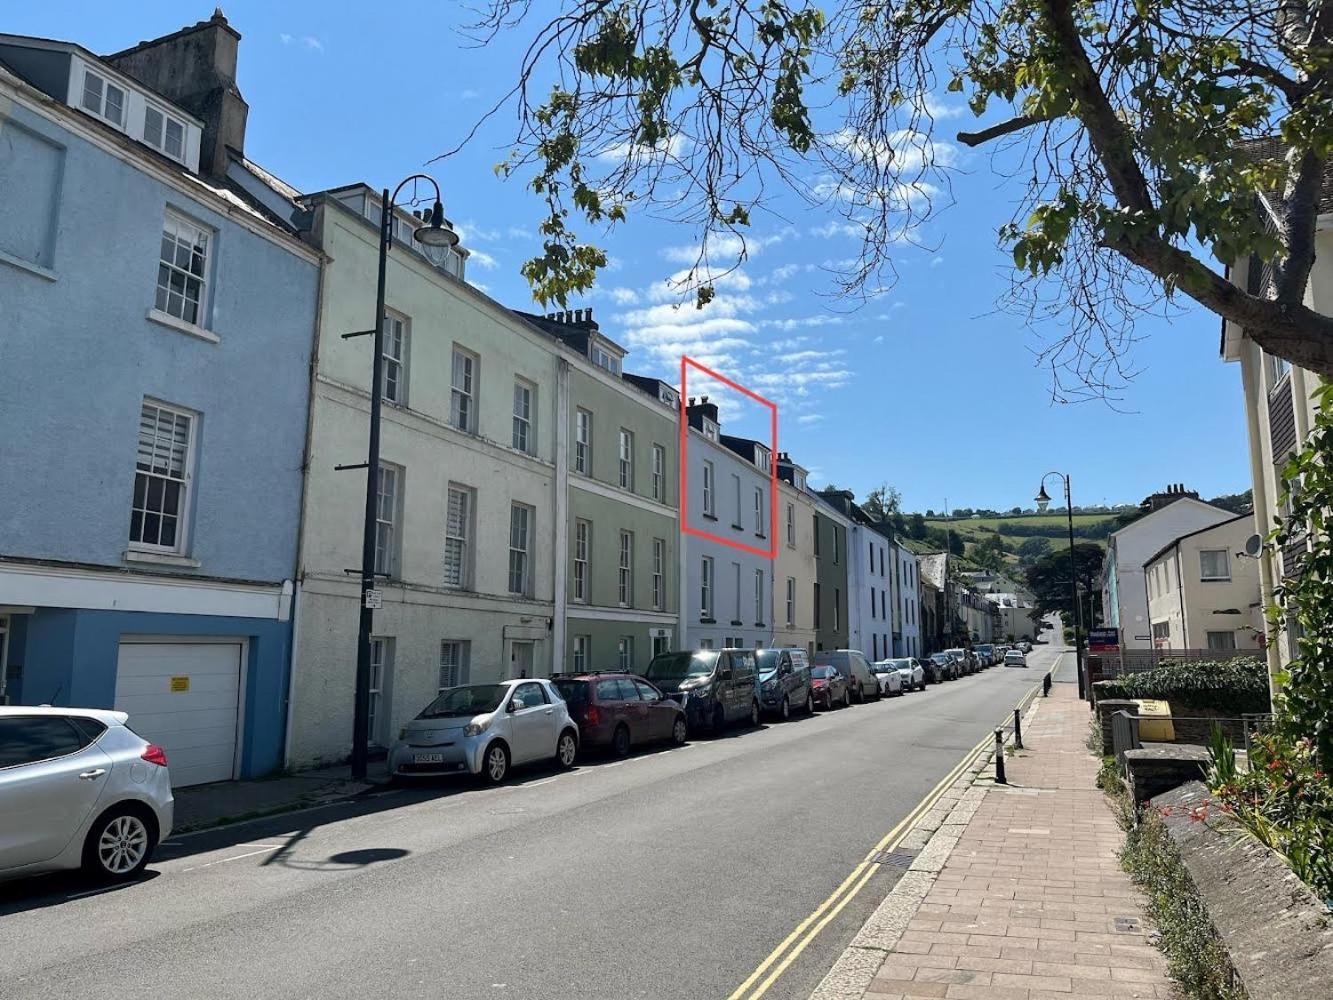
(618,552)
(469,492)
(795,583)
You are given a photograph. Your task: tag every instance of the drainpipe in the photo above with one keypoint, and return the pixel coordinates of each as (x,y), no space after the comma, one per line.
(1263,514)
(1180,582)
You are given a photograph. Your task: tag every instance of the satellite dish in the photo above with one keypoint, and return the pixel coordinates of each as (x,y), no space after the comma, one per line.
(1253,544)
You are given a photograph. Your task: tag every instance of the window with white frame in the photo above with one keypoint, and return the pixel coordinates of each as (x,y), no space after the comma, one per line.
(873,609)
(583,442)
(791,601)
(524,395)
(625,652)
(458,536)
(1214,565)
(791,526)
(759,615)
(582,547)
(659,573)
(381,671)
(1161,632)
(836,548)
(738,523)
(162,472)
(759,511)
(625,573)
(582,643)
(394,363)
(659,473)
(603,358)
(520,554)
(182,270)
(1277,369)
(837,611)
(103,98)
(463,397)
(706,586)
(164,133)
(1221,640)
(386,520)
(455,657)
(736,589)
(705,643)
(708,489)
(626,459)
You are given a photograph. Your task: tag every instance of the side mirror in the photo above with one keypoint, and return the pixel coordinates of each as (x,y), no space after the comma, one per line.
(517,704)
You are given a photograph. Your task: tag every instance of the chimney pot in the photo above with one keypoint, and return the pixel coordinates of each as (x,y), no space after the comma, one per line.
(703,399)
(691,400)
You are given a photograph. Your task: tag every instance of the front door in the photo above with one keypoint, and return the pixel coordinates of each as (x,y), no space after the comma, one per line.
(520,659)
(532,727)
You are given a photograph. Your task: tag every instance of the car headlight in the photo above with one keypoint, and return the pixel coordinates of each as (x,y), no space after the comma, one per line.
(770,686)
(476,728)
(699,692)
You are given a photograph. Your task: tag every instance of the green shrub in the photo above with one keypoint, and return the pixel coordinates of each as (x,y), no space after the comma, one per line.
(1232,687)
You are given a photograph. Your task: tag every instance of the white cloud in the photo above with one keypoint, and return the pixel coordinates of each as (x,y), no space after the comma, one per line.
(723,247)
(779,296)
(940,109)
(680,286)
(835,228)
(306,41)
(624,296)
(800,357)
(482,259)
(805,419)
(468,94)
(520,233)
(937,262)
(471,232)
(878,339)
(674,148)
(805,321)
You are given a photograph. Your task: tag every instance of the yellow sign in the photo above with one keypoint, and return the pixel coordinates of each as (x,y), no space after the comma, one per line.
(179,684)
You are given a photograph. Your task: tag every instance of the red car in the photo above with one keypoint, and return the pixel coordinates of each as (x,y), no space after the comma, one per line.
(828,687)
(620,710)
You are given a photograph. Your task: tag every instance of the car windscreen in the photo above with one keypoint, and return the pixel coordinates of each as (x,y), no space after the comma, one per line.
(677,666)
(766,660)
(901,664)
(472,699)
(574,692)
(823,673)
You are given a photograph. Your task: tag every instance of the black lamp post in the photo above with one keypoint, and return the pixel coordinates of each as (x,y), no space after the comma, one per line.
(1043,501)
(433,234)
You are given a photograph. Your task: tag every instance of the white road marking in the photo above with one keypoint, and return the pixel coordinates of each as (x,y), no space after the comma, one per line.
(223,861)
(544,781)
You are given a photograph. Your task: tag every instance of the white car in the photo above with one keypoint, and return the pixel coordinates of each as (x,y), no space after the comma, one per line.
(1015,658)
(79,789)
(911,673)
(485,729)
(890,681)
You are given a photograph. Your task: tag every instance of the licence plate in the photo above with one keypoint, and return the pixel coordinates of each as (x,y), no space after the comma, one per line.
(428,758)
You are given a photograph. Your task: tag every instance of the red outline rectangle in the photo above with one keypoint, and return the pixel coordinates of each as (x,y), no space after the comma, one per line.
(772,552)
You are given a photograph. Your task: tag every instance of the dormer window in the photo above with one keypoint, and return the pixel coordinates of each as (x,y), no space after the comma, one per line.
(800,480)
(710,429)
(603,358)
(667,396)
(164,133)
(104,99)
(762,459)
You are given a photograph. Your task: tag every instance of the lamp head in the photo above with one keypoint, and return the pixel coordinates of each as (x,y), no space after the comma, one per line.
(436,234)
(1043,499)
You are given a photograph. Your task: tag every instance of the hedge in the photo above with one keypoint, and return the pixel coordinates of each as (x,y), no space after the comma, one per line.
(1232,687)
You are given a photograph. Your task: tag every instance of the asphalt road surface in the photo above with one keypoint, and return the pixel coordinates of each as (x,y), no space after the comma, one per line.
(672,874)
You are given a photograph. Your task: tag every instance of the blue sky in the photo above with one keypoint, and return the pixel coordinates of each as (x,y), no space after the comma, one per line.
(928,388)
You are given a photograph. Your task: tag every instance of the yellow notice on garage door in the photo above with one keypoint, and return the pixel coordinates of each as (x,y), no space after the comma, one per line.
(180,684)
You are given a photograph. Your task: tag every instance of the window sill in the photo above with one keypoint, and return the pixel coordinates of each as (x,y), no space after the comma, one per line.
(27,265)
(737,623)
(737,527)
(160,559)
(709,517)
(761,535)
(760,625)
(705,620)
(180,326)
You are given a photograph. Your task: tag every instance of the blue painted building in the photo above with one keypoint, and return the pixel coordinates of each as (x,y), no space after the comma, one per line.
(156,328)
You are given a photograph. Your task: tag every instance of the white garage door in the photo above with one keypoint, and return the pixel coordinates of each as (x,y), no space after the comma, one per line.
(186,698)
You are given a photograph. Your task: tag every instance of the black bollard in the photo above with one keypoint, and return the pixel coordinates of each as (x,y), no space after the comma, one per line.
(1046,686)
(1018,730)
(999,758)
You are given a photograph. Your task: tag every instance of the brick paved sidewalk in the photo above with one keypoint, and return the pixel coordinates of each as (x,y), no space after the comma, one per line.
(1032,903)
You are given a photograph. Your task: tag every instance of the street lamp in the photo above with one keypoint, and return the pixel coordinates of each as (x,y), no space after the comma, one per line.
(433,233)
(1044,501)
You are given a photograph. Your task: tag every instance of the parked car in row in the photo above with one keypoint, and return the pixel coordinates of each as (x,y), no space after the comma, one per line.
(986,653)
(828,687)
(945,667)
(485,729)
(967,662)
(1015,658)
(853,666)
(910,672)
(715,687)
(886,674)
(79,789)
(784,681)
(618,711)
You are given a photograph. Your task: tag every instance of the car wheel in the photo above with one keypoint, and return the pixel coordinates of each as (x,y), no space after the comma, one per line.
(809,704)
(679,731)
(719,720)
(119,845)
(754,714)
(786,709)
(566,749)
(495,764)
(847,698)
(620,741)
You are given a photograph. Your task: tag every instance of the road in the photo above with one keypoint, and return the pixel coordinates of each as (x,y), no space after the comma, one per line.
(672,874)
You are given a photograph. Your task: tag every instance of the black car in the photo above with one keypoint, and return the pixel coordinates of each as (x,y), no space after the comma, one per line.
(715,686)
(784,681)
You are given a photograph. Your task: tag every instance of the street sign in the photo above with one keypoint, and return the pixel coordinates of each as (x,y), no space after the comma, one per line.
(1103,640)
(374,599)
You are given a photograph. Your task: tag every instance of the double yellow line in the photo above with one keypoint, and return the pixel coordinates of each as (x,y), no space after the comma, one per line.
(791,947)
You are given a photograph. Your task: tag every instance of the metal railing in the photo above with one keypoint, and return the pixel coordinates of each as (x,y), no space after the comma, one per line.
(1138,661)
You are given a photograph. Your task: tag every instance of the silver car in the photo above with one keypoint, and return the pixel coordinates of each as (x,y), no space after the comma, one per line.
(79,789)
(910,672)
(485,729)
(890,681)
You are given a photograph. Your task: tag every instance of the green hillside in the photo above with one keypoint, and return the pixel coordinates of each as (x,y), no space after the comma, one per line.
(1015,529)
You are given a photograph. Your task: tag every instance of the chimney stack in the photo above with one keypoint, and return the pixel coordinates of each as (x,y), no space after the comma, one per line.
(696,413)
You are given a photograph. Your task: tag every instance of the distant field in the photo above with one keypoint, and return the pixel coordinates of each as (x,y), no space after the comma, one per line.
(973,530)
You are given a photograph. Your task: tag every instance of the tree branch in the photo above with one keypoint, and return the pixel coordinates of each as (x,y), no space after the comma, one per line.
(1298,229)
(1003,128)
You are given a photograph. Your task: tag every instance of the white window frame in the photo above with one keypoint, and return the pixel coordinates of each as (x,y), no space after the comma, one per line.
(520,548)
(759,617)
(183,480)
(706,586)
(791,601)
(455,663)
(197,241)
(659,473)
(625,652)
(582,551)
(1226,566)
(104,87)
(524,437)
(579,654)
(739,523)
(381,680)
(462,539)
(759,511)
(464,375)
(737,567)
(659,573)
(583,441)
(164,132)
(1278,369)
(394,358)
(1230,635)
(625,570)
(791,525)
(626,456)
(387,526)
(837,615)
(709,490)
